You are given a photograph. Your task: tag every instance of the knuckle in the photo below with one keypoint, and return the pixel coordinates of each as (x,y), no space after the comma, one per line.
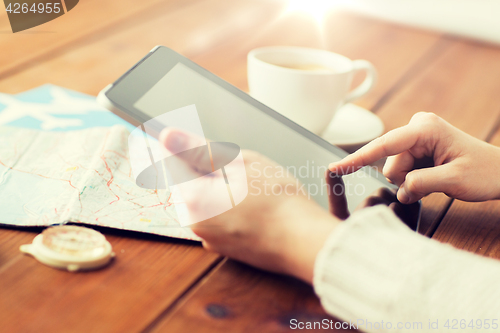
(381,140)
(417,117)
(422,116)
(425,118)
(426,122)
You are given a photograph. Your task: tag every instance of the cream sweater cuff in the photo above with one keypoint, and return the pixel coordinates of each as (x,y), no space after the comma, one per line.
(373,268)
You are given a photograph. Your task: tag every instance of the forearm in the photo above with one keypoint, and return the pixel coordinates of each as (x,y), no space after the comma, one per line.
(373,268)
(306,232)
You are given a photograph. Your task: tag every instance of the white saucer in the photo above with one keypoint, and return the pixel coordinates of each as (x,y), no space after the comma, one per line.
(352,127)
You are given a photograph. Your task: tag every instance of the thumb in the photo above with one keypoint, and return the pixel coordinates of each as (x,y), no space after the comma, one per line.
(337,201)
(178,141)
(190,148)
(421,182)
(190,156)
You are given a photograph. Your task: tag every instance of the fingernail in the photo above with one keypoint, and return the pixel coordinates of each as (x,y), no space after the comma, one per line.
(176,141)
(403,196)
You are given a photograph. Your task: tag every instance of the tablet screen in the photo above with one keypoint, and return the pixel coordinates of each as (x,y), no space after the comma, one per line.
(225,116)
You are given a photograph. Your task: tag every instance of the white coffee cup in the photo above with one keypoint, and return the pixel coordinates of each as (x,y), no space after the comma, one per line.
(306,85)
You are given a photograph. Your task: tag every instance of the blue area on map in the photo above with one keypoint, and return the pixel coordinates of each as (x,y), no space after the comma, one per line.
(92,117)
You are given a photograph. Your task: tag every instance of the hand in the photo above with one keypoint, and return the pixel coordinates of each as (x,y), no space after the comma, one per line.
(276,227)
(430,155)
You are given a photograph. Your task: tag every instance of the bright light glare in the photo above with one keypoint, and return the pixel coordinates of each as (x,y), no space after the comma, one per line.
(315,8)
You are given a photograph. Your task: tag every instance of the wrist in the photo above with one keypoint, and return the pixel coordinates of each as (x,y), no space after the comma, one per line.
(306,238)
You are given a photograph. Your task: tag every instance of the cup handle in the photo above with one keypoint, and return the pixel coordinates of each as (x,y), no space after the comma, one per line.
(367,84)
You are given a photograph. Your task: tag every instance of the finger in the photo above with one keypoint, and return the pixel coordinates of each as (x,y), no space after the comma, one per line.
(337,200)
(372,201)
(190,148)
(407,213)
(383,195)
(177,140)
(391,143)
(418,183)
(387,194)
(207,246)
(399,210)
(183,165)
(396,167)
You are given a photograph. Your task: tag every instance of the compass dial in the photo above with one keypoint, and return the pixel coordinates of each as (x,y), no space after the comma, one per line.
(74,241)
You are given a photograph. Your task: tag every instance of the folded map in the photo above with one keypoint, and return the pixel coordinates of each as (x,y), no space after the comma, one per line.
(65,159)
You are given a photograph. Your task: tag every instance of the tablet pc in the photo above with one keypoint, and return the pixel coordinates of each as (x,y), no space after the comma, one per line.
(164,81)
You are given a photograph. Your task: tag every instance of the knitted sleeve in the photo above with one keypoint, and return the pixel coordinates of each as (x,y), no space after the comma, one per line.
(376,272)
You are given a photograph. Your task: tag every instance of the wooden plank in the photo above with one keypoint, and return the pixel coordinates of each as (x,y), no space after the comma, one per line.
(244,300)
(354,36)
(462,86)
(147,275)
(192,29)
(88,21)
(10,240)
(434,208)
(474,227)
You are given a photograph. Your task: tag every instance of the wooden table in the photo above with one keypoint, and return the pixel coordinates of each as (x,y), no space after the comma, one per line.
(160,284)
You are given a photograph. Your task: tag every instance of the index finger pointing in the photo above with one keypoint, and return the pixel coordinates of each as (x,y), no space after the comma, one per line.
(391,143)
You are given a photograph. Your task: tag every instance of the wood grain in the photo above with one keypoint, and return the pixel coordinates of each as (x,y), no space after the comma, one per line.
(244,300)
(461,86)
(88,21)
(474,227)
(10,240)
(147,275)
(191,29)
